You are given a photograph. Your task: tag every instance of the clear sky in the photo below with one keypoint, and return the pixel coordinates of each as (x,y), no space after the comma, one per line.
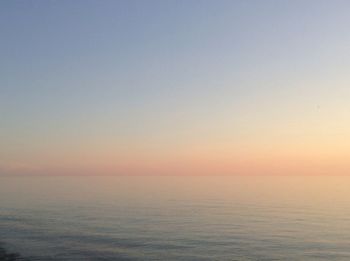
(174,87)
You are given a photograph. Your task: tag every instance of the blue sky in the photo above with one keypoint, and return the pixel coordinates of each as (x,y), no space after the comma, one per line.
(140,73)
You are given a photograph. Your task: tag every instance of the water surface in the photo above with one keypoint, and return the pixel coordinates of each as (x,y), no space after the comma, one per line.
(176,218)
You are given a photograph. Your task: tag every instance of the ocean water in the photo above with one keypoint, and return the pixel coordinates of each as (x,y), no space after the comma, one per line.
(176,218)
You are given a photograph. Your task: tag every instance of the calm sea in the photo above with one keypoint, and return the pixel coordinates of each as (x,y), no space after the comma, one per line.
(176,218)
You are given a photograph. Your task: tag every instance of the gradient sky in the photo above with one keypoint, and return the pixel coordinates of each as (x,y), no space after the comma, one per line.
(174,87)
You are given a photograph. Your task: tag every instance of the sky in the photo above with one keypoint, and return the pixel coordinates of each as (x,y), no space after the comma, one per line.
(174,87)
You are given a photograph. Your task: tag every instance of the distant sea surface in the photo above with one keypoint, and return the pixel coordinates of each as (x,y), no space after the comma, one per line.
(176,218)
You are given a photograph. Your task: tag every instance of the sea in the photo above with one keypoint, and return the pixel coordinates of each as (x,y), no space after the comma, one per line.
(181,218)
